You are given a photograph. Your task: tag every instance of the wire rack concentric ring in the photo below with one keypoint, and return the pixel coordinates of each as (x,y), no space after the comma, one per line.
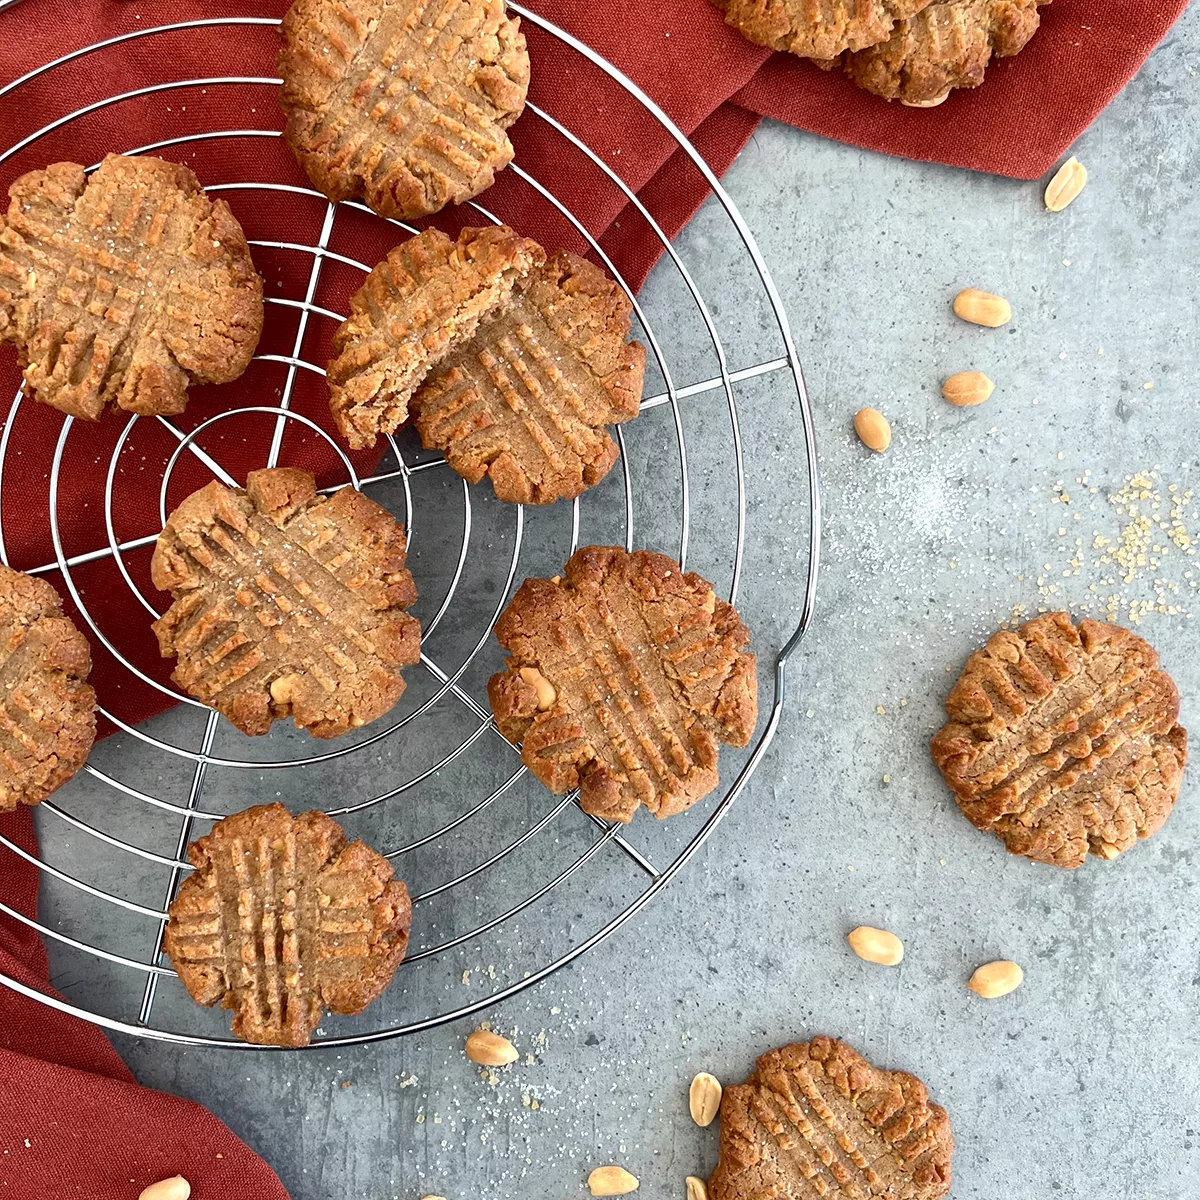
(510,865)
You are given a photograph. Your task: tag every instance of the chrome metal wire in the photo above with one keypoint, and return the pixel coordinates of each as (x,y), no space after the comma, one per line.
(447,684)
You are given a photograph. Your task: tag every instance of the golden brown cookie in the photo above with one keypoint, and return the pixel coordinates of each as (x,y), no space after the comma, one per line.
(124,287)
(1064,740)
(281,920)
(945,46)
(623,677)
(287,603)
(814,30)
(47,709)
(817,1121)
(402,102)
(528,399)
(420,304)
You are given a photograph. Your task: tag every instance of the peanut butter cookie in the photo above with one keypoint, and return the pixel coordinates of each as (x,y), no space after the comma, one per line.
(945,46)
(1064,740)
(281,920)
(817,1120)
(287,603)
(402,102)
(623,678)
(415,308)
(124,287)
(528,399)
(813,30)
(47,709)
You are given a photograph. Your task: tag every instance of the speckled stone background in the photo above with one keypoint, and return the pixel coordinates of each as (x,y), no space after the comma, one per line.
(1085,1082)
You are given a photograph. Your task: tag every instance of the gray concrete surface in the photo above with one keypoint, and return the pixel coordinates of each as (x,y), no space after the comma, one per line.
(1086,1081)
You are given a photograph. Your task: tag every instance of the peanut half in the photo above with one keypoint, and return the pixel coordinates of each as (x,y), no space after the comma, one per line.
(489,1049)
(876,945)
(982,308)
(1068,182)
(704,1099)
(996,979)
(697,1189)
(546,695)
(175,1188)
(612,1181)
(968,388)
(873,429)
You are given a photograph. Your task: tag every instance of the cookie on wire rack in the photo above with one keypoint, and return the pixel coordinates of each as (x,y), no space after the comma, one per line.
(403,103)
(623,677)
(527,400)
(821,31)
(816,1119)
(281,920)
(945,46)
(416,307)
(1064,740)
(287,603)
(47,708)
(124,287)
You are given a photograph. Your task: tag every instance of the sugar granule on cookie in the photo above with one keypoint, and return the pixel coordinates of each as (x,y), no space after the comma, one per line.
(403,103)
(287,603)
(47,708)
(623,678)
(124,287)
(282,920)
(527,400)
(424,301)
(817,1120)
(1064,740)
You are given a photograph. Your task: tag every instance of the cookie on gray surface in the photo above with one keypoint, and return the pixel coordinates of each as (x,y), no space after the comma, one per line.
(817,1121)
(1064,740)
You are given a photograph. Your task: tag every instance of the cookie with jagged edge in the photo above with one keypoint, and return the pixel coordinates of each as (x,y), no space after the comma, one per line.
(623,677)
(47,708)
(282,920)
(1064,740)
(414,309)
(945,46)
(287,603)
(528,399)
(124,287)
(403,103)
(816,1120)
(821,31)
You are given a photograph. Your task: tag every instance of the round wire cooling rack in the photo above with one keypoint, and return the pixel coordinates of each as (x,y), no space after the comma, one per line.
(498,867)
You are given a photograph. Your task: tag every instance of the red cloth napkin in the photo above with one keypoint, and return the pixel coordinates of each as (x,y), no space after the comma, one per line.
(72,1122)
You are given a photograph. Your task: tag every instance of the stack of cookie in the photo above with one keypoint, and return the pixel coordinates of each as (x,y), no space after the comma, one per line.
(914,51)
